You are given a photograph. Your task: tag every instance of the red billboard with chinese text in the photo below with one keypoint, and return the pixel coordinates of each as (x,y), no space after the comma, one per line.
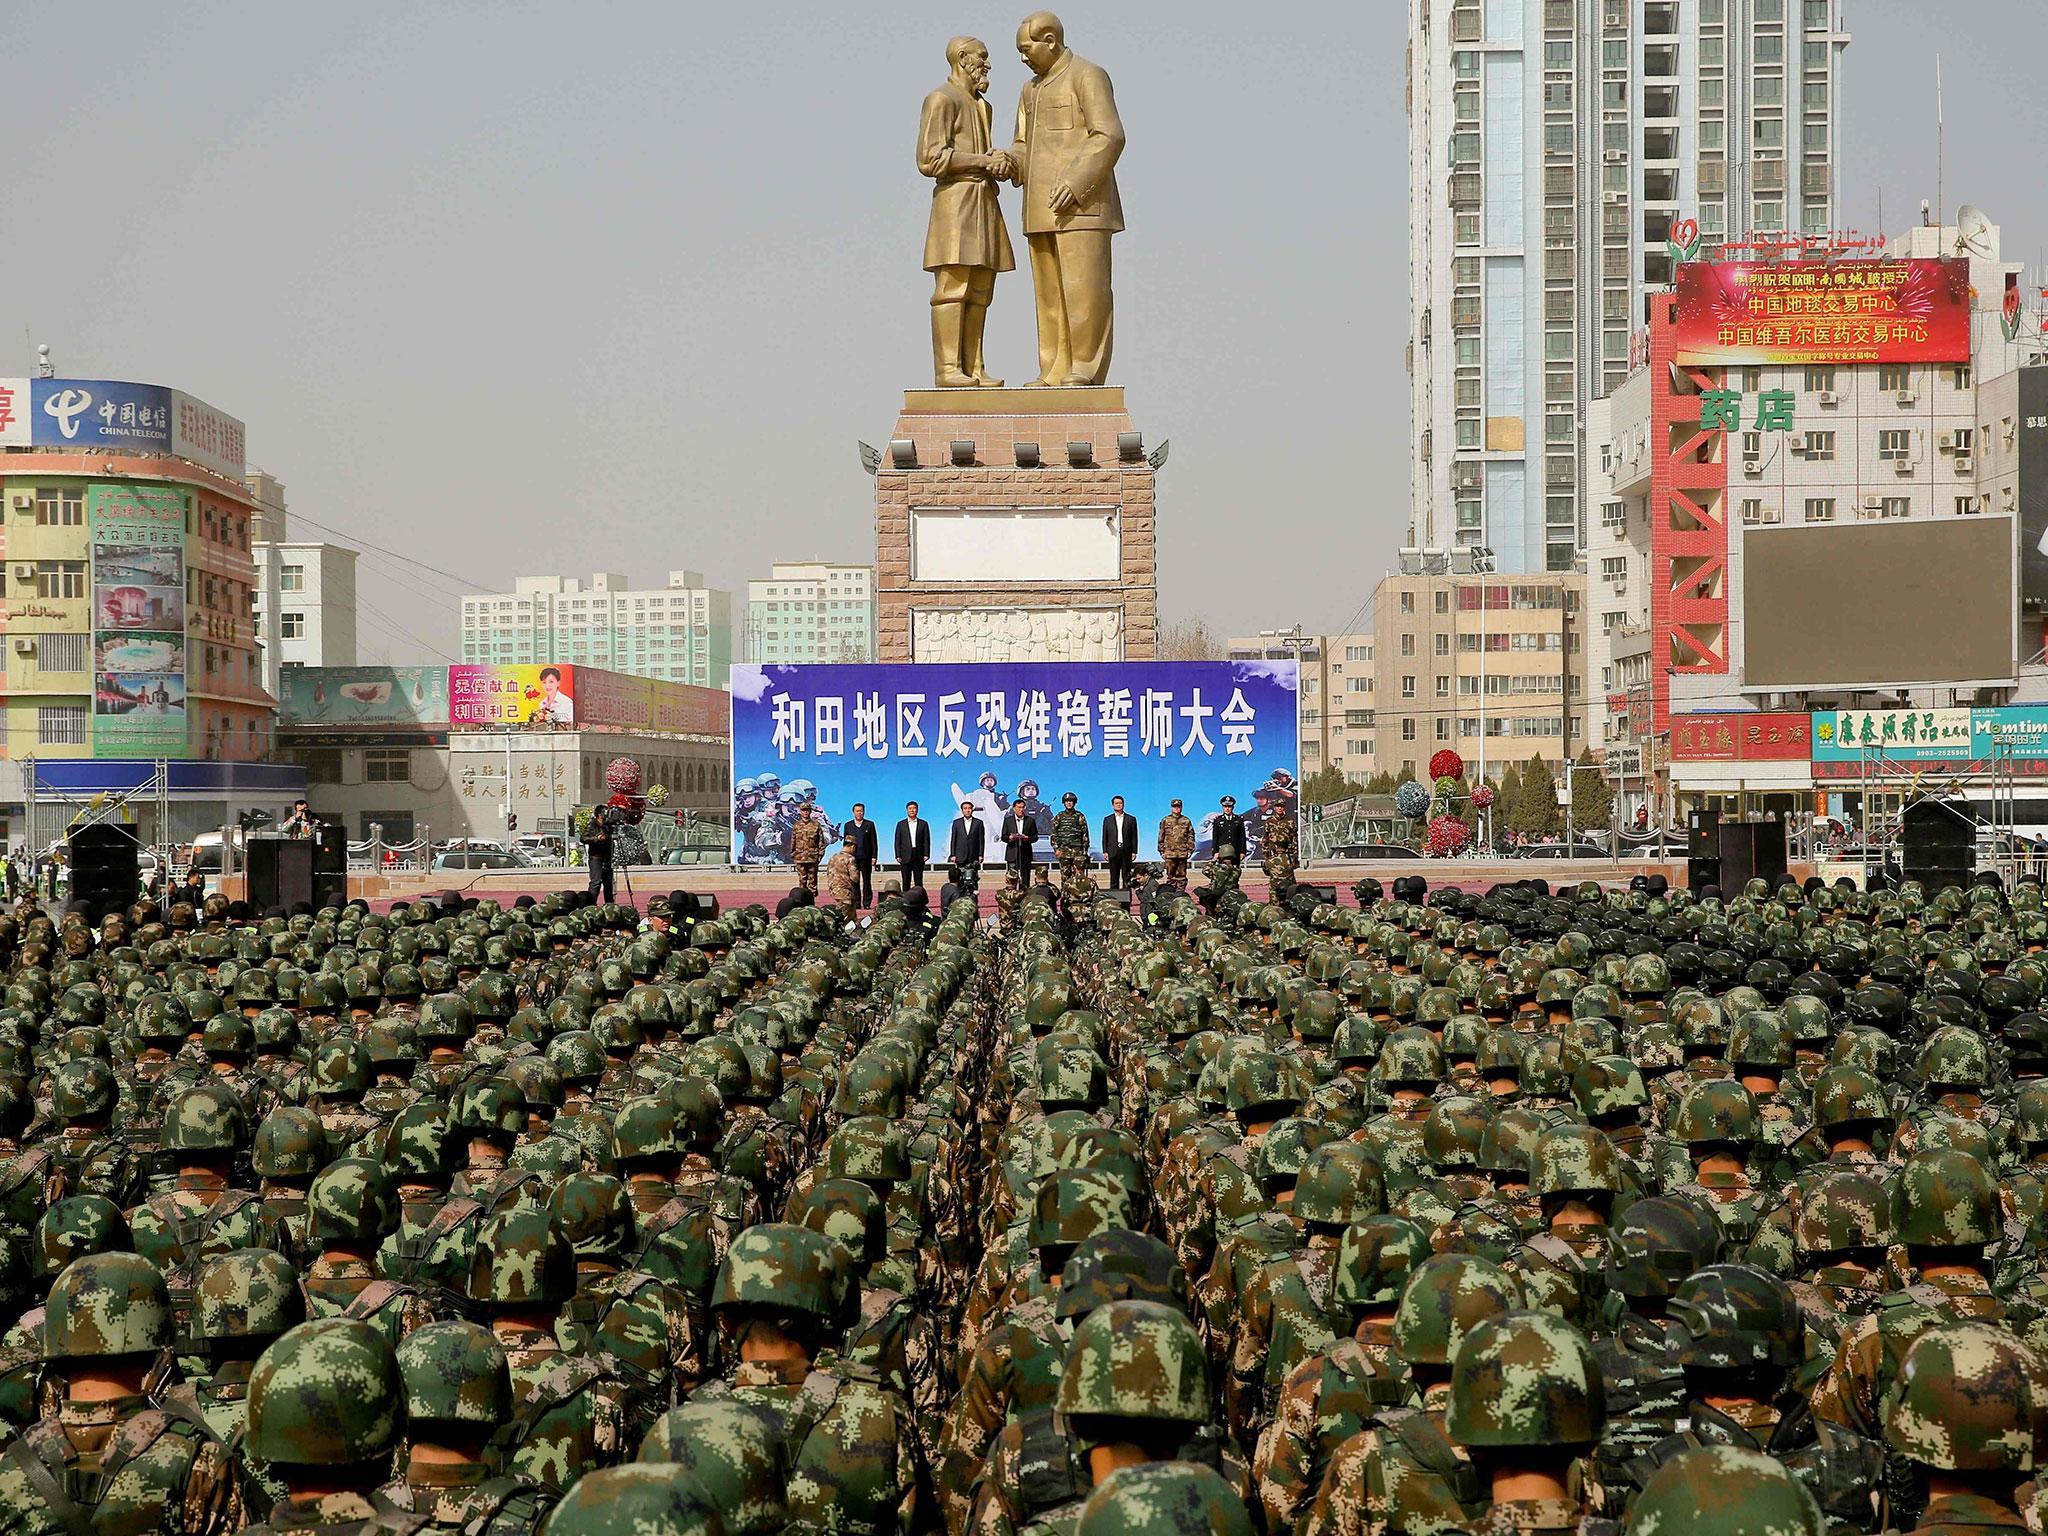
(1750,312)
(1742,738)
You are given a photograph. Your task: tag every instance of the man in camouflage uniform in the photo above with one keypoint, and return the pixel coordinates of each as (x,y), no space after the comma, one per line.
(1279,848)
(807,847)
(107,1458)
(1070,847)
(458,1397)
(325,1403)
(842,877)
(1176,846)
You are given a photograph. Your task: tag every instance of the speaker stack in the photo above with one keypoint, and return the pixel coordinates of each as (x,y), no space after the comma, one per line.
(1703,849)
(330,865)
(1937,844)
(1751,850)
(105,871)
(280,871)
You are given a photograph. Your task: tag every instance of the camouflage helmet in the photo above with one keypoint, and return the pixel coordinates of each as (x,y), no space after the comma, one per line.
(1136,1360)
(327,1394)
(251,1293)
(82,1089)
(455,1373)
(1944,1199)
(73,1228)
(1844,1210)
(867,1148)
(1969,1398)
(207,1117)
(1073,1204)
(489,1107)
(522,1259)
(1721,1490)
(1526,1379)
(1454,1131)
(351,1202)
(1339,1184)
(107,1304)
(1608,1085)
(730,1450)
(646,1128)
(1955,1057)
(1736,1316)
(1164,1498)
(1575,1160)
(1848,1096)
(1121,1265)
(1411,1058)
(638,1499)
(1446,1297)
(593,1213)
(781,1268)
(290,1143)
(1716,1112)
(1662,1240)
(341,1069)
(418,1148)
(847,1211)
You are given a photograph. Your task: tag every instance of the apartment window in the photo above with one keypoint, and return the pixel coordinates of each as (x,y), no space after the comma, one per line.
(1752,380)
(292,626)
(1358,653)
(1960,375)
(1820,380)
(387,765)
(1821,446)
(1614,568)
(60,578)
(1895,445)
(1755,514)
(291,578)
(1443,645)
(1894,376)
(1408,728)
(1895,506)
(1613,516)
(1443,729)
(1966,438)
(1407,685)
(1965,505)
(1443,602)
(60,725)
(63,653)
(1711,137)
(1407,602)
(58,508)
(1407,645)
(1820,509)
(1443,687)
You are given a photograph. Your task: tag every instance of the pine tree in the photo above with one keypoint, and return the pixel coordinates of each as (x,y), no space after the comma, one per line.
(1507,796)
(1382,783)
(1326,786)
(1592,799)
(1539,812)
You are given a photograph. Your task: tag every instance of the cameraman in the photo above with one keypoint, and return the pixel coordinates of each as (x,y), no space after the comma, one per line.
(597,846)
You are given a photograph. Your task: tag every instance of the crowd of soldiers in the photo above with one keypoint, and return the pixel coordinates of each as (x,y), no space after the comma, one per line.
(1601,1209)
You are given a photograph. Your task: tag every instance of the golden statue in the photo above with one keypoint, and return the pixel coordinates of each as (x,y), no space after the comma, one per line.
(966,244)
(1068,140)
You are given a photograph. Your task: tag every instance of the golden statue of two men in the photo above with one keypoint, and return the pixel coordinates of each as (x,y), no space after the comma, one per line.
(1064,156)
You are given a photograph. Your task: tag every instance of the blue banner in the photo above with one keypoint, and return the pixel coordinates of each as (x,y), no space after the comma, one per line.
(1001,735)
(100,413)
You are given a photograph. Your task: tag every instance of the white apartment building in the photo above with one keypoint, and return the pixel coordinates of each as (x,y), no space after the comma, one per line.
(809,611)
(1552,143)
(1338,726)
(679,633)
(304,600)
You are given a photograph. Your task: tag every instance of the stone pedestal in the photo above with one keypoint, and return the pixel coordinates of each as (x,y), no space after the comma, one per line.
(981,558)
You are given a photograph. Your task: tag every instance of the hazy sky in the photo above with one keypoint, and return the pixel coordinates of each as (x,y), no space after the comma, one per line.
(514,288)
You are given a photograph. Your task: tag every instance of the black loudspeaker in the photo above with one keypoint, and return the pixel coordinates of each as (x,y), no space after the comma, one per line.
(280,871)
(105,871)
(330,865)
(1703,835)
(1700,873)
(1938,844)
(1751,849)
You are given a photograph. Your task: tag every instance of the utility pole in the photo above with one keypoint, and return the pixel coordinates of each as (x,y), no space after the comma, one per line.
(1564,690)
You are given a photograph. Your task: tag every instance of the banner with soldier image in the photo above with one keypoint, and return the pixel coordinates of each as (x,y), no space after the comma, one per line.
(1008,735)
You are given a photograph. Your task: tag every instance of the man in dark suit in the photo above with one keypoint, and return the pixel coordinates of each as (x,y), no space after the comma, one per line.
(967,847)
(1226,832)
(867,847)
(913,847)
(1119,843)
(1020,831)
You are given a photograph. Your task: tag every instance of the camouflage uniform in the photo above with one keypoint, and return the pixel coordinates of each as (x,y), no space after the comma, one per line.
(1070,847)
(1176,848)
(1279,852)
(807,851)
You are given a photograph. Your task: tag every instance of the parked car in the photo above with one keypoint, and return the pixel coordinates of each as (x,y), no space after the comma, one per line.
(1582,849)
(467,858)
(539,850)
(1374,851)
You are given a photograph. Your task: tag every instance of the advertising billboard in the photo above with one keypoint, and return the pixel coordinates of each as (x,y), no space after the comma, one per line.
(1735,737)
(1001,735)
(1897,735)
(137,539)
(1915,602)
(539,695)
(344,696)
(1845,312)
(2033,488)
(108,413)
